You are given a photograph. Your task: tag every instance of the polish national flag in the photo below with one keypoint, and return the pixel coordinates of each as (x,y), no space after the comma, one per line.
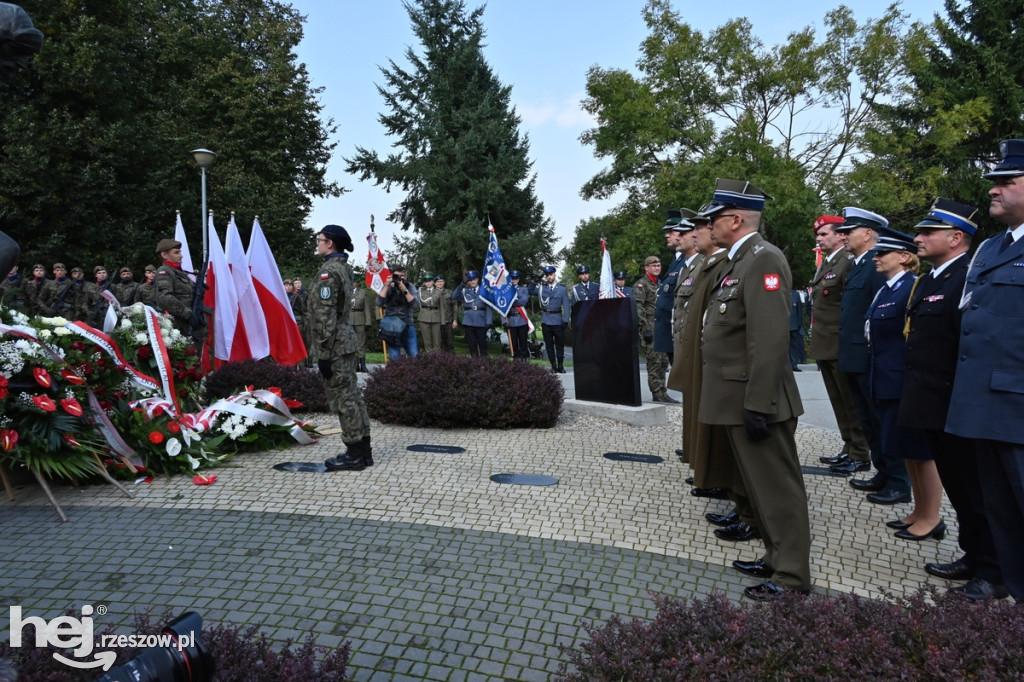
(186,256)
(252,340)
(286,346)
(220,297)
(606,287)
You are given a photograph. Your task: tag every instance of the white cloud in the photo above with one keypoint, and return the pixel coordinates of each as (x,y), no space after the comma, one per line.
(564,114)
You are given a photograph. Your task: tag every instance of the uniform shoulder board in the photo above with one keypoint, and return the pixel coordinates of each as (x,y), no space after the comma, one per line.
(849,256)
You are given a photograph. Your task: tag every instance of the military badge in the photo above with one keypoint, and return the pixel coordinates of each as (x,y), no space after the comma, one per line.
(326,292)
(722,308)
(771,282)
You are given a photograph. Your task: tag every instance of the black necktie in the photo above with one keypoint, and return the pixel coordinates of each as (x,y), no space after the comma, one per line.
(1007,241)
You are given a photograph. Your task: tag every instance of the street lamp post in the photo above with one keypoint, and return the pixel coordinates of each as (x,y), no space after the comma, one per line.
(204,157)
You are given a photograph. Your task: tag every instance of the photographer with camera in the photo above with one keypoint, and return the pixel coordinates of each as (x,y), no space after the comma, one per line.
(399,300)
(476,315)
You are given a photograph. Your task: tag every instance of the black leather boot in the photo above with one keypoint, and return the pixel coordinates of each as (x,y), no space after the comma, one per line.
(367,452)
(351,460)
(561,369)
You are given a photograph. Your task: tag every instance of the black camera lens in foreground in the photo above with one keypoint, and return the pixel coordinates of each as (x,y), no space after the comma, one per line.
(186,661)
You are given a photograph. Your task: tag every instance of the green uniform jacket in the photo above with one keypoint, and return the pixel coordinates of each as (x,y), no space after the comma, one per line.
(328,307)
(826,295)
(175,293)
(431,301)
(646,293)
(684,289)
(447,306)
(746,339)
(360,316)
(59,298)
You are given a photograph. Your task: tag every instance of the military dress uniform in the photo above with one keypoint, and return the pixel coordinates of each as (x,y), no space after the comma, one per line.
(430,317)
(664,305)
(585,291)
(554,306)
(360,319)
(746,374)
(175,294)
(334,340)
(826,299)
(476,317)
(447,313)
(518,327)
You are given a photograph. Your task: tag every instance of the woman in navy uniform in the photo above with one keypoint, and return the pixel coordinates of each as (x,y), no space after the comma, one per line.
(895,257)
(476,315)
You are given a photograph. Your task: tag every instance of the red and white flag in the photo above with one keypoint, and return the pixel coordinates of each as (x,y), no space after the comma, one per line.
(606,287)
(377,272)
(286,346)
(186,256)
(251,338)
(220,297)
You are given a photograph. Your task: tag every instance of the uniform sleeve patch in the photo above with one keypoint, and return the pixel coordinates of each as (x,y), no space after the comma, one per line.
(326,292)
(771,282)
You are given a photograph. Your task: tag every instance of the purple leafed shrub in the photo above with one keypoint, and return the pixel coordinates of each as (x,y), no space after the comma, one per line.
(444,390)
(296,383)
(239,655)
(928,636)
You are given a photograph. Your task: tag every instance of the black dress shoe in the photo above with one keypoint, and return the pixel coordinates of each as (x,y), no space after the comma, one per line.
(898,524)
(737,532)
(758,569)
(958,570)
(769,591)
(666,399)
(713,493)
(980,589)
(722,519)
(679,451)
(938,532)
(689,480)
(834,459)
(868,484)
(892,496)
(850,466)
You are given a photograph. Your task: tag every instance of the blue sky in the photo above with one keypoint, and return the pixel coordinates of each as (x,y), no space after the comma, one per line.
(543,49)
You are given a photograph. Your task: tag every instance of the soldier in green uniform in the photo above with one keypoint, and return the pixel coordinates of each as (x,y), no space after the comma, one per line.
(361,316)
(645,291)
(147,288)
(748,386)
(126,287)
(447,310)
(32,288)
(429,317)
(58,296)
(12,296)
(175,292)
(334,344)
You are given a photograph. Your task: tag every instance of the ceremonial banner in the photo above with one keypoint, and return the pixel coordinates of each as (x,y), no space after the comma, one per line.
(286,346)
(496,288)
(251,338)
(186,256)
(377,272)
(606,287)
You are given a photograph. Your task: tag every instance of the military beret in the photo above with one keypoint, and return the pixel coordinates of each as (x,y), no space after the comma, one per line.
(167,245)
(651,260)
(59,265)
(150,268)
(338,235)
(124,270)
(97,268)
(824,220)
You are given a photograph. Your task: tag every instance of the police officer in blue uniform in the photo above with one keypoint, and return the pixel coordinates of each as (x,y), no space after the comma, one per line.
(585,290)
(988,392)
(554,306)
(516,323)
(476,314)
(621,290)
(933,334)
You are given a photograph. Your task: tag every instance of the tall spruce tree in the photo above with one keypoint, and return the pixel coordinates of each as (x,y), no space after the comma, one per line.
(462,158)
(967,94)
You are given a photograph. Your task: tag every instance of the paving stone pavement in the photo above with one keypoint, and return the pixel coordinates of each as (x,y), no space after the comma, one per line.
(426,566)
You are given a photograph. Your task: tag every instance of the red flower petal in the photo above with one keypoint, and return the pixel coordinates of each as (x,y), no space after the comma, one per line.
(173,427)
(8,439)
(156,437)
(42,377)
(205,480)
(70,440)
(70,377)
(44,403)
(71,406)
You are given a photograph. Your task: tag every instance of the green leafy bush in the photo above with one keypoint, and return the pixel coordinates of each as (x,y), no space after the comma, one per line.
(299,384)
(443,390)
(927,636)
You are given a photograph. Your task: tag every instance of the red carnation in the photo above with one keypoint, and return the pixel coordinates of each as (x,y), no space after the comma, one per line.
(71,406)
(173,427)
(44,403)
(155,437)
(42,377)
(3,387)
(144,352)
(8,439)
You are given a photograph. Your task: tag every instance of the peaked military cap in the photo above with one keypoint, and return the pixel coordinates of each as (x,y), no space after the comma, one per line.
(620,274)
(514,274)
(429,278)
(472,274)
(549,269)
(893,240)
(946,214)
(679,220)
(858,217)
(1012,164)
(737,194)
(583,270)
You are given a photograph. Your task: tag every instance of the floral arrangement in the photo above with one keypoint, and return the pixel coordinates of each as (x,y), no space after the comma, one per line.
(73,398)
